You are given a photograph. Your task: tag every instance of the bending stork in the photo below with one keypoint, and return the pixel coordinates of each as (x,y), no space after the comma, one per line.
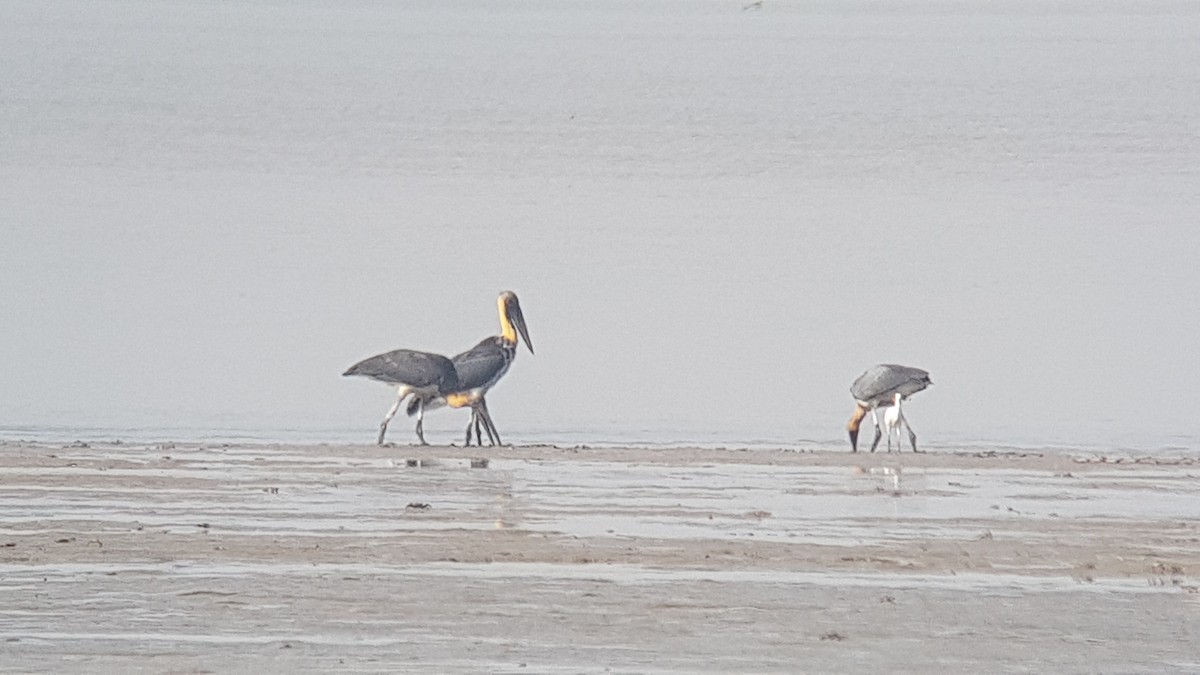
(884,386)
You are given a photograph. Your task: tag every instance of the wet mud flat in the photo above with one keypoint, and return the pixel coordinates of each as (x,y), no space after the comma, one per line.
(284,558)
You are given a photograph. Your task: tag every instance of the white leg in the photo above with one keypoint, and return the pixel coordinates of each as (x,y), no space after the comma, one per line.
(421,421)
(895,423)
(472,420)
(878,428)
(401,392)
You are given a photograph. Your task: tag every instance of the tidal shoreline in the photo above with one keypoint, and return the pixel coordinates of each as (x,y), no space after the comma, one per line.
(232,558)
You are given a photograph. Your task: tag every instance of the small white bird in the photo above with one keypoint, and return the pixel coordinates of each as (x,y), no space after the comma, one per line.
(893,419)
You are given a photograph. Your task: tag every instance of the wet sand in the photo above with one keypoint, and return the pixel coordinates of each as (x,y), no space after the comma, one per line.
(194,558)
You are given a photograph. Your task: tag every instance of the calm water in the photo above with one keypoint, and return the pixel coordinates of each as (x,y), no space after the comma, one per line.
(715,218)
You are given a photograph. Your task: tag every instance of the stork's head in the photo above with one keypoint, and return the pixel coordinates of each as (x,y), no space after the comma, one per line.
(512,320)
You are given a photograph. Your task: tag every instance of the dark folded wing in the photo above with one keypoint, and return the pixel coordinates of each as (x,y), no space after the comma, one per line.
(480,366)
(406,366)
(885,380)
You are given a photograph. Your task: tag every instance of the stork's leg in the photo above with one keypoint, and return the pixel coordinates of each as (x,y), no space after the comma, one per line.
(479,431)
(474,422)
(491,432)
(912,435)
(480,428)
(489,425)
(421,421)
(401,393)
(878,430)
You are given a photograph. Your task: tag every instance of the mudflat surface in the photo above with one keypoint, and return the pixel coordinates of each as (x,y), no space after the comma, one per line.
(284,558)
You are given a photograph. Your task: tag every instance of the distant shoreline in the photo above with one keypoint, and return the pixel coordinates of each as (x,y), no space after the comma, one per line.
(682,454)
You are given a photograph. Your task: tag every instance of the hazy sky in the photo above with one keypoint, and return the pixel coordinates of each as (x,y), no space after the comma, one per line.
(715,218)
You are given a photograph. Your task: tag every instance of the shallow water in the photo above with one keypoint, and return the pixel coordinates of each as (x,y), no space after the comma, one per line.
(319,559)
(715,217)
(318,491)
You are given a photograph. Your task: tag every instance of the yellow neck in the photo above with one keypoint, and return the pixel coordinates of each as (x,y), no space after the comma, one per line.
(507,331)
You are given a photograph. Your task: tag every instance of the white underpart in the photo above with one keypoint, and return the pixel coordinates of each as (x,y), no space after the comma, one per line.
(435,403)
(402,392)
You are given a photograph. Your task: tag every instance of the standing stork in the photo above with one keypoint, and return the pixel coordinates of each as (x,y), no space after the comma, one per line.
(883,386)
(421,374)
(481,367)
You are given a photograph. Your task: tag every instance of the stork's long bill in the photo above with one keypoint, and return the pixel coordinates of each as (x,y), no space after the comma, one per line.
(512,320)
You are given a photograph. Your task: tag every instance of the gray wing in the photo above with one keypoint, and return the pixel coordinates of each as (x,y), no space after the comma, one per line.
(406,366)
(479,365)
(885,380)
